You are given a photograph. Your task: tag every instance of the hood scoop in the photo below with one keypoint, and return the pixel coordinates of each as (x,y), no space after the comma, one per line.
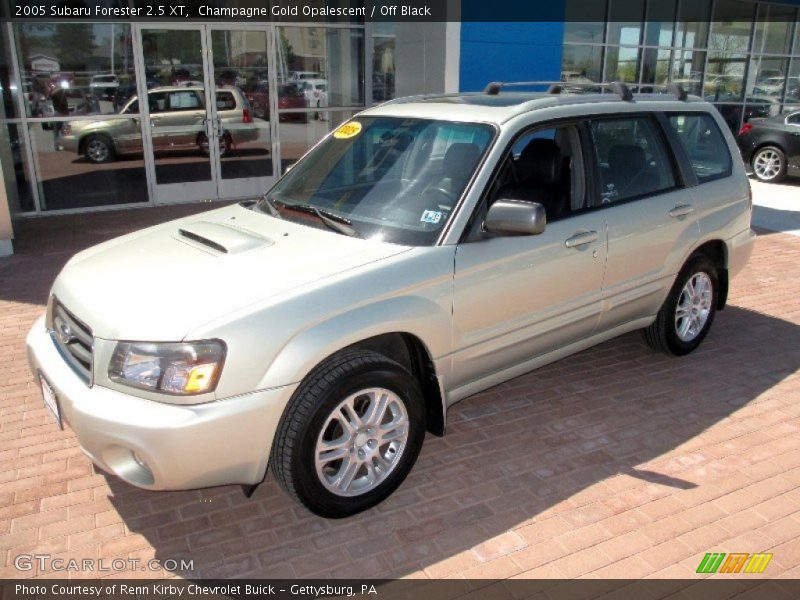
(221,238)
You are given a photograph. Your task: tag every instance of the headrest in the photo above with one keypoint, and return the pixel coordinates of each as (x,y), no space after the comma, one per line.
(628,157)
(540,161)
(459,158)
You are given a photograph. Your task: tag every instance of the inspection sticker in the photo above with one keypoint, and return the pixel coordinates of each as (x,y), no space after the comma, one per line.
(431,216)
(348,130)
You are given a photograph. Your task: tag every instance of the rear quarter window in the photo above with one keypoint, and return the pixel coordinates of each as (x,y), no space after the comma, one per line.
(704,144)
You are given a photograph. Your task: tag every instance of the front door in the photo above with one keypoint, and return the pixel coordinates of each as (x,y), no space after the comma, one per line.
(518,298)
(203,138)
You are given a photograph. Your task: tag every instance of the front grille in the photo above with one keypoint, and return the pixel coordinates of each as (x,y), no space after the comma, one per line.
(74,340)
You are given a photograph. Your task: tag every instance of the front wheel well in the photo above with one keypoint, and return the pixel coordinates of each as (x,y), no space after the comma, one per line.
(718,253)
(410,351)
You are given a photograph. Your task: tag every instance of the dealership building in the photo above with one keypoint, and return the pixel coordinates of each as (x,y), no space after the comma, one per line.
(232,104)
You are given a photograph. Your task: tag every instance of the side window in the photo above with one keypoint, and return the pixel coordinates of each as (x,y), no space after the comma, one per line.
(704,144)
(225,101)
(632,159)
(793,119)
(157,102)
(184,100)
(545,166)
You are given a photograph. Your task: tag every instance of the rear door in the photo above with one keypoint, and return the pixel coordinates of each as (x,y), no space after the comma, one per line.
(650,215)
(185,115)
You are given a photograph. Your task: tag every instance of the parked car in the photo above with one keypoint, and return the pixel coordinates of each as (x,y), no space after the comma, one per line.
(292,95)
(176,113)
(771,147)
(316,93)
(257,93)
(104,86)
(423,251)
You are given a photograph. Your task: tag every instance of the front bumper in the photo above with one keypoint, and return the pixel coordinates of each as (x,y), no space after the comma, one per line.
(183,447)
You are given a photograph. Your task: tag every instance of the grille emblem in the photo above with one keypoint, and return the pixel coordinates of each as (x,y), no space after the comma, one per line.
(65,334)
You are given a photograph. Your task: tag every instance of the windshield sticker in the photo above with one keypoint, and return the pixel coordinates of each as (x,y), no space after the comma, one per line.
(348,130)
(431,216)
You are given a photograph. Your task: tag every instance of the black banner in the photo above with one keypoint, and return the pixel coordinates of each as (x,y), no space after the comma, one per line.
(412,11)
(282,589)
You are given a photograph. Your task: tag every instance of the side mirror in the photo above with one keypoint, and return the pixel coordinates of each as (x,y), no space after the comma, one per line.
(515,217)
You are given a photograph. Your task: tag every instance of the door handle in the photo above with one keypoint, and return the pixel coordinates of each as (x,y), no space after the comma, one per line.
(681,211)
(581,239)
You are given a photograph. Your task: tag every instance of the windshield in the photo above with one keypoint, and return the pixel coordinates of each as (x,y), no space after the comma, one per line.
(395,179)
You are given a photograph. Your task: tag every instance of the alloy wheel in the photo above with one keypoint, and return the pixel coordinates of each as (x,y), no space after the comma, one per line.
(694,306)
(361,442)
(767,164)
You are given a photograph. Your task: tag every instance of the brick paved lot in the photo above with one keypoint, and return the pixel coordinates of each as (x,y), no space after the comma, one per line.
(614,462)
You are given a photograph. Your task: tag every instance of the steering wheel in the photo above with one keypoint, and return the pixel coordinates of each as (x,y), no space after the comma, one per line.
(439,195)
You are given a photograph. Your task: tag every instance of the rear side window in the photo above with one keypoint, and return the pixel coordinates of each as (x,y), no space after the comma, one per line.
(793,119)
(632,159)
(225,101)
(704,144)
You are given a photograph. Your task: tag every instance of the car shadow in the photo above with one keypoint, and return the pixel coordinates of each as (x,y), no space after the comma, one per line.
(511,454)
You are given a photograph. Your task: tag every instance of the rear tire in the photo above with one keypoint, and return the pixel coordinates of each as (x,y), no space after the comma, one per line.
(688,312)
(336,463)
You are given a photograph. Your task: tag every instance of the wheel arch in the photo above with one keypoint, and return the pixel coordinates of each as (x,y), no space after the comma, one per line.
(717,251)
(412,331)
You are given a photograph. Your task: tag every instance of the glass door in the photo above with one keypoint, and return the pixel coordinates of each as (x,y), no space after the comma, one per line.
(207,119)
(243,109)
(177,116)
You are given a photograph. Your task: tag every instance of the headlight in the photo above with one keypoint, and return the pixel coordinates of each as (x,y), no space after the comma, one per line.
(172,368)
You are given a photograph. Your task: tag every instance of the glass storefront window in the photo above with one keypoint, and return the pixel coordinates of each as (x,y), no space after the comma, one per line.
(622,64)
(774,29)
(625,22)
(299,135)
(70,69)
(660,23)
(592,30)
(383,66)
(691,30)
(687,69)
(731,26)
(725,77)
(16,170)
(582,64)
(69,179)
(793,85)
(655,67)
(331,59)
(766,79)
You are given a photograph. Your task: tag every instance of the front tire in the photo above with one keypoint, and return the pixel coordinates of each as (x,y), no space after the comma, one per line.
(350,434)
(688,312)
(98,149)
(769,164)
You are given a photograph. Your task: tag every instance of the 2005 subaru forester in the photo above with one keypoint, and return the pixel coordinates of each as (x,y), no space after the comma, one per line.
(427,249)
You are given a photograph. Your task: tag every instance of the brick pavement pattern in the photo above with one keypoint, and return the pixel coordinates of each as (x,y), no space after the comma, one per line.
(615,462)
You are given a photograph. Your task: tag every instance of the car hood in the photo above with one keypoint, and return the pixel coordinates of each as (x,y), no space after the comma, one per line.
(159,283)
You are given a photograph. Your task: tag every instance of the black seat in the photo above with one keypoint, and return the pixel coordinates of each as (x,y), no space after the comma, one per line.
(539,178)
(458,164)
(627,170)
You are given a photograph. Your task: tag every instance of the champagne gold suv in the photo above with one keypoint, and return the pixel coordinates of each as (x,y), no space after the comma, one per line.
(425,250)
(177,115)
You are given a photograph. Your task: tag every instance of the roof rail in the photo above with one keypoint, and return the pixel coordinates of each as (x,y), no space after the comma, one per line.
(558,87)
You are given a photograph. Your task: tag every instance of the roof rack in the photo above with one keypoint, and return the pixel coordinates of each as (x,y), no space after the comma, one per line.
(558,87)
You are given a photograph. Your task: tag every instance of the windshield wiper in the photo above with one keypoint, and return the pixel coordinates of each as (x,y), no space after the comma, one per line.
(331,220)
(267,204)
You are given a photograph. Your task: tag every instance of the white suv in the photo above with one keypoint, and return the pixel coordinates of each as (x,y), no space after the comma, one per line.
(426,250)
